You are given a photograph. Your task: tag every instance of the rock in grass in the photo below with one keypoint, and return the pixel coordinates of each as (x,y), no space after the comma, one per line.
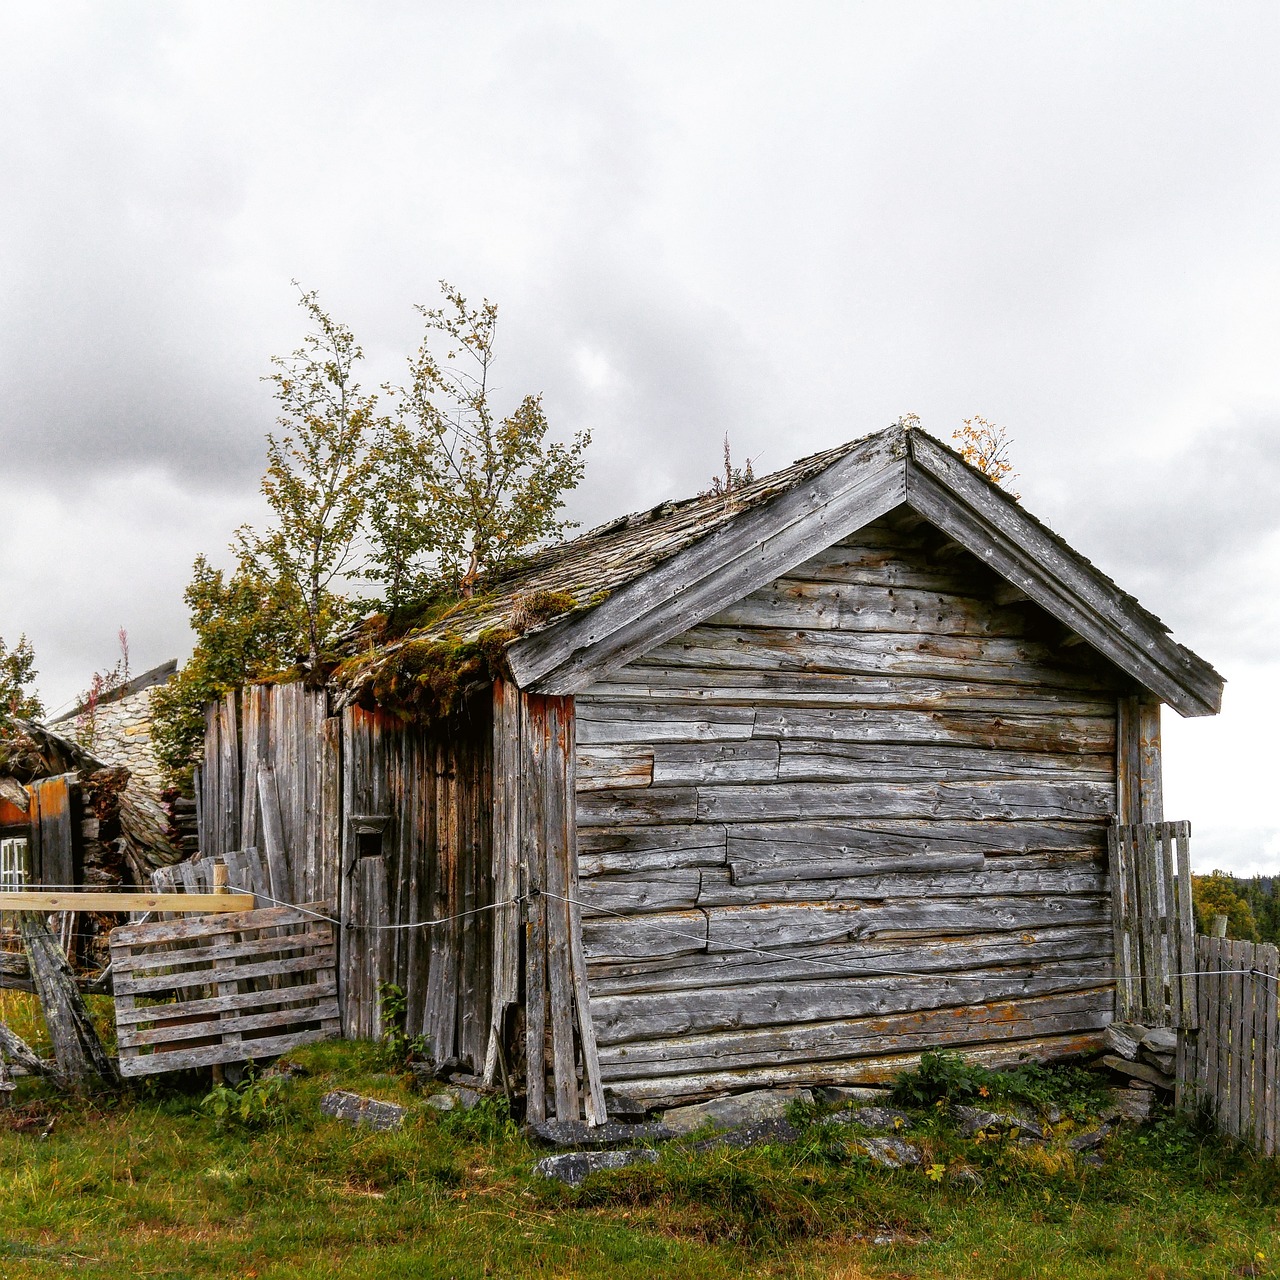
(351,1108)
(1130,1104)
(885,1119)
(775,1132)
(736,1110)
(572,1167)
(1088,1141)
(454,1098)
(973,1121)
(579,1135)
(890,1153)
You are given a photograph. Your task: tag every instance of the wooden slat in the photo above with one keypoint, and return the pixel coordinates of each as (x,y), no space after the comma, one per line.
(1271,1068)
(87,900)
(225,972)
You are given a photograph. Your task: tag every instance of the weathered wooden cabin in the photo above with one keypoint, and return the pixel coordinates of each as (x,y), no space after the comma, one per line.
(776,787)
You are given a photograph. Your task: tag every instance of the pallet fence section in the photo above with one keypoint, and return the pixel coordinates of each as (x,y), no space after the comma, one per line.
(226,988)
(1153,924)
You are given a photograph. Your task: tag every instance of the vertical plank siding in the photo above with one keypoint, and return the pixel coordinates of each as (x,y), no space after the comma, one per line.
(876,763)
(391,822)
(425,798)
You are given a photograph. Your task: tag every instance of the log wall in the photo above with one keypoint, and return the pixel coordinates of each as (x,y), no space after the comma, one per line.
(860,813)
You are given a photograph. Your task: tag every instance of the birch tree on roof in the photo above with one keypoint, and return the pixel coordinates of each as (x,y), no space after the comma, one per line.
(460,485)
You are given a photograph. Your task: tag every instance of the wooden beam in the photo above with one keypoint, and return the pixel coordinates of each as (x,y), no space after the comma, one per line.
(31,900)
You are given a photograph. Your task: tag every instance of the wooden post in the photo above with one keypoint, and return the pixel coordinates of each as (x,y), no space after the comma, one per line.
(1218,927)
(76,1047)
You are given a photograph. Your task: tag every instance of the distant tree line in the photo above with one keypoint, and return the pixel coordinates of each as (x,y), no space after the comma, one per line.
(1251,905)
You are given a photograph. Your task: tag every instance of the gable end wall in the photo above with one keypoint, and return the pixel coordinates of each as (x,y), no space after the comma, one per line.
(868,769)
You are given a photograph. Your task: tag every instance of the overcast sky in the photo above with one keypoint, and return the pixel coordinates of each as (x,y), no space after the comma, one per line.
(789,222)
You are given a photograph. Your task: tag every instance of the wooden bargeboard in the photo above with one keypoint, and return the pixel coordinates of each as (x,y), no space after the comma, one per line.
(226,988)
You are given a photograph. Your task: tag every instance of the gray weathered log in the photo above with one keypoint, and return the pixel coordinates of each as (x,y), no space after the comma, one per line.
(79,1053)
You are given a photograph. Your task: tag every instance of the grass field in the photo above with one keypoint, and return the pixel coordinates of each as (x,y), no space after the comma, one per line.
(151,1184)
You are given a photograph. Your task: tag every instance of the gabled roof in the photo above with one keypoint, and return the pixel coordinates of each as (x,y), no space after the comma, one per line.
(640,580)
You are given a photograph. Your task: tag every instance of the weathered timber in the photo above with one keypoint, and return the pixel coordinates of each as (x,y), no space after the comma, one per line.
(683,763)
(16,1052)
(1046,799)
(609,767)
(52,859)
(650,680)
(802,761)
(622,723)
(652,805)
(896,1033)
(792,603)
(997,659)
(1085,735)
(88,900)
(658,1091)
(660,1015)
(605,849)
(958,953)
(77,1050)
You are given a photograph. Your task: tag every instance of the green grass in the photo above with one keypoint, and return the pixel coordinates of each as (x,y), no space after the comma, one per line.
(150,1185)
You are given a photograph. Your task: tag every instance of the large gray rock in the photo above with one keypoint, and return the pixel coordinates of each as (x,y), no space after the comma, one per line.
(573,1167)
(885,1119)
(582,1136)
(1130,1104)
(351,1108)
(736,1110)
(890,1153)
(1161,1040)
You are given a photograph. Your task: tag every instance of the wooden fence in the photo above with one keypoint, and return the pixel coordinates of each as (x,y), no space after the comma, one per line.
(1153,923)
(1231,1064)
(226,988)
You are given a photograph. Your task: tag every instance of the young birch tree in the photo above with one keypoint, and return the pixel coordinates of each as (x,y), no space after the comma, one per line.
(476,490)
(318,474)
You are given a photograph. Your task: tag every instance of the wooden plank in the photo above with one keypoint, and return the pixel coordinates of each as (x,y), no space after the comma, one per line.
(1118,912)
(602,850)
(1186,927)
(796,604)
(1259,990)
(1047,800)
(803,761)
(505,854)
(273,835)
(653,680)
(680,764)
(881,1069)
(53,862)
(651,806)
(210,1055)
(241,1011)
(1084,735)
(896,1033)
(555,815)
(848,866)
(1169,925)
(963,953)
(606,768)
(1270,967)
(228,798)
(140,982)
(533,749)
(134,959)
(614,724)
(1015,663)
(1150,770)
(328,882)
(657,1016)
(88,900)
(198,927)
